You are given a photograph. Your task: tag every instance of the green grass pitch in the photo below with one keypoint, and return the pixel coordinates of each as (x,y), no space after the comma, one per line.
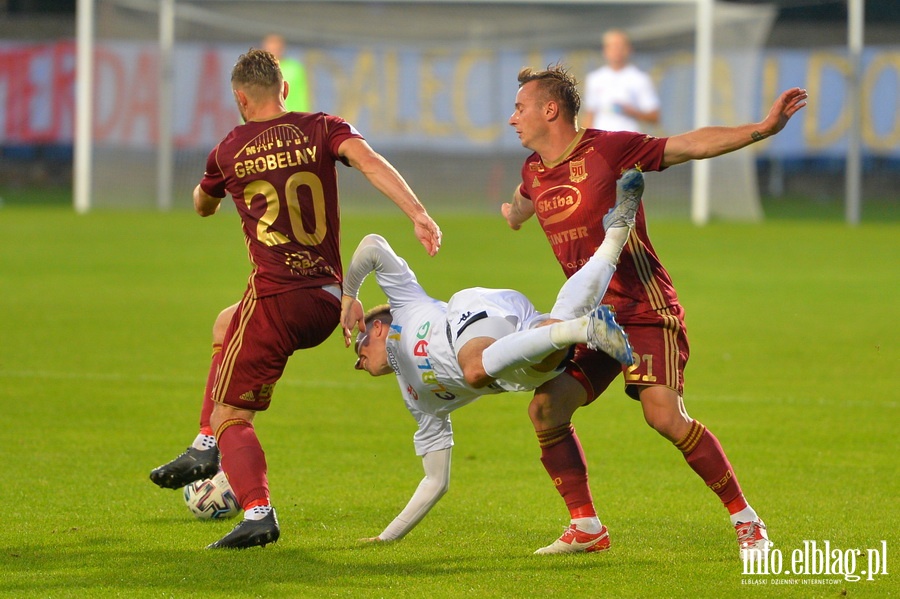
(105,324)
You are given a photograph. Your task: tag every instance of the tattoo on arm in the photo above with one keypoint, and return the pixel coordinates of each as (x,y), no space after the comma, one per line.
(757,136)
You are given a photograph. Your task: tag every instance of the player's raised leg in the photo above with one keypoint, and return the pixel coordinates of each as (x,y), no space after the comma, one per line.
(201,459)
(629,191)
(583,291)
(606,335)
(599,330)
(193,464)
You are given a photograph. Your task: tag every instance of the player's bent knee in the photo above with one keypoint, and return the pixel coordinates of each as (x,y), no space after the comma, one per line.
(222,322)
(476,377)
(668,423)
(545,413)
(555,402)
(222,413)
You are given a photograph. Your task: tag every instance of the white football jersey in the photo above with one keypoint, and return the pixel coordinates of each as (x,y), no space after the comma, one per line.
(419,345)
(605,89)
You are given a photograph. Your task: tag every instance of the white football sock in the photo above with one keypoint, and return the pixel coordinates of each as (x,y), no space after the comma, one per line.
(518,349)
(570,332)
(203,442)
(257,513)
(588,525)
(586,288)
(613,243)
(745,515)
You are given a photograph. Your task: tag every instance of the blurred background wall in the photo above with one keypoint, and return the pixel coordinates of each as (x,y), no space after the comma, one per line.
(36,124)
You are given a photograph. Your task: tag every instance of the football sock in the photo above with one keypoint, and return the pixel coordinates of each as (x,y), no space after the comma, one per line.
(613,243)
(706,457)
(585,519)
(519,349)
(244,462)
(738,504)
(204,442)
(257,512)
(563,458)
(748,514)
(588,525)
(584,289)
(583,513)
(207,407)
(570,332)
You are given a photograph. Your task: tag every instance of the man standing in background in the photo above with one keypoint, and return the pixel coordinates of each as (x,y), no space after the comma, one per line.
(619,96)
(293,72)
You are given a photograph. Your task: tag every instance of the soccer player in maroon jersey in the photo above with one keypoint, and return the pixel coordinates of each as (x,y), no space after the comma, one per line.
(569,183)
(280,169)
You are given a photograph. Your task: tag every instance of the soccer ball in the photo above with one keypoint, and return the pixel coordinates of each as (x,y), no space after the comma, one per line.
(212,498)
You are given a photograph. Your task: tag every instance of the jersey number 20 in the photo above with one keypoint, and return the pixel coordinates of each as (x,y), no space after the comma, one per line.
(273,207)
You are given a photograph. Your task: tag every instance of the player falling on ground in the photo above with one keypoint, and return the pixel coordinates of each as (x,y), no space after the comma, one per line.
(483,341)
(280,169)
(583,163)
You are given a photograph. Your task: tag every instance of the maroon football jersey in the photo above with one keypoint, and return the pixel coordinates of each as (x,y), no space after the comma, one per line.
(281,175)
(570,198)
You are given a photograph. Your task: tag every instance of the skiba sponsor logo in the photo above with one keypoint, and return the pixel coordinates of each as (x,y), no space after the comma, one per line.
(817,559)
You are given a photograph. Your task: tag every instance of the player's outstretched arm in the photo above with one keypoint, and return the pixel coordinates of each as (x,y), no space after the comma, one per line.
(428,493)
(517,211)
(385,178)
(396,279)
(709,142)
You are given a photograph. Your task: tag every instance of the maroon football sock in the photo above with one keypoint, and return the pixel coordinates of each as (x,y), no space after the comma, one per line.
(564,461)
(244,462)
(705,455)
(207,407)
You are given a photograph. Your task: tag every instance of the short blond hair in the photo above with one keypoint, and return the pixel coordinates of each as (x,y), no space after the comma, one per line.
(380,312)
(557,84)
(257,72)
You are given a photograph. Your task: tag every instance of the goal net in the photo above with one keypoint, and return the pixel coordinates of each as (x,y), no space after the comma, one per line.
(429,84)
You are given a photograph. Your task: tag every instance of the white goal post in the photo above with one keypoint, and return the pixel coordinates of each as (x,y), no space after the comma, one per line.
(707,18)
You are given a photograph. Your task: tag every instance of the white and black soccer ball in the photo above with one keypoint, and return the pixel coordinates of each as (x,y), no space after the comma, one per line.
(212,498)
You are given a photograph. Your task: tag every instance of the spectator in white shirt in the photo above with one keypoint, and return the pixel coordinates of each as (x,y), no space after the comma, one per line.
(619,96)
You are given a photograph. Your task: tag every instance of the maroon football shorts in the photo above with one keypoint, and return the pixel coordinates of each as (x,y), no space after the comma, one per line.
(262,335)
(661,352)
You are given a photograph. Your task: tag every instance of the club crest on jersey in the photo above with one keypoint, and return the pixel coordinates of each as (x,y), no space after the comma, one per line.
(577,171)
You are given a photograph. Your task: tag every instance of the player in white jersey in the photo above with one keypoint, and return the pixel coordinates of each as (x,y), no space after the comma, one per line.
(483,341)
(619,96)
